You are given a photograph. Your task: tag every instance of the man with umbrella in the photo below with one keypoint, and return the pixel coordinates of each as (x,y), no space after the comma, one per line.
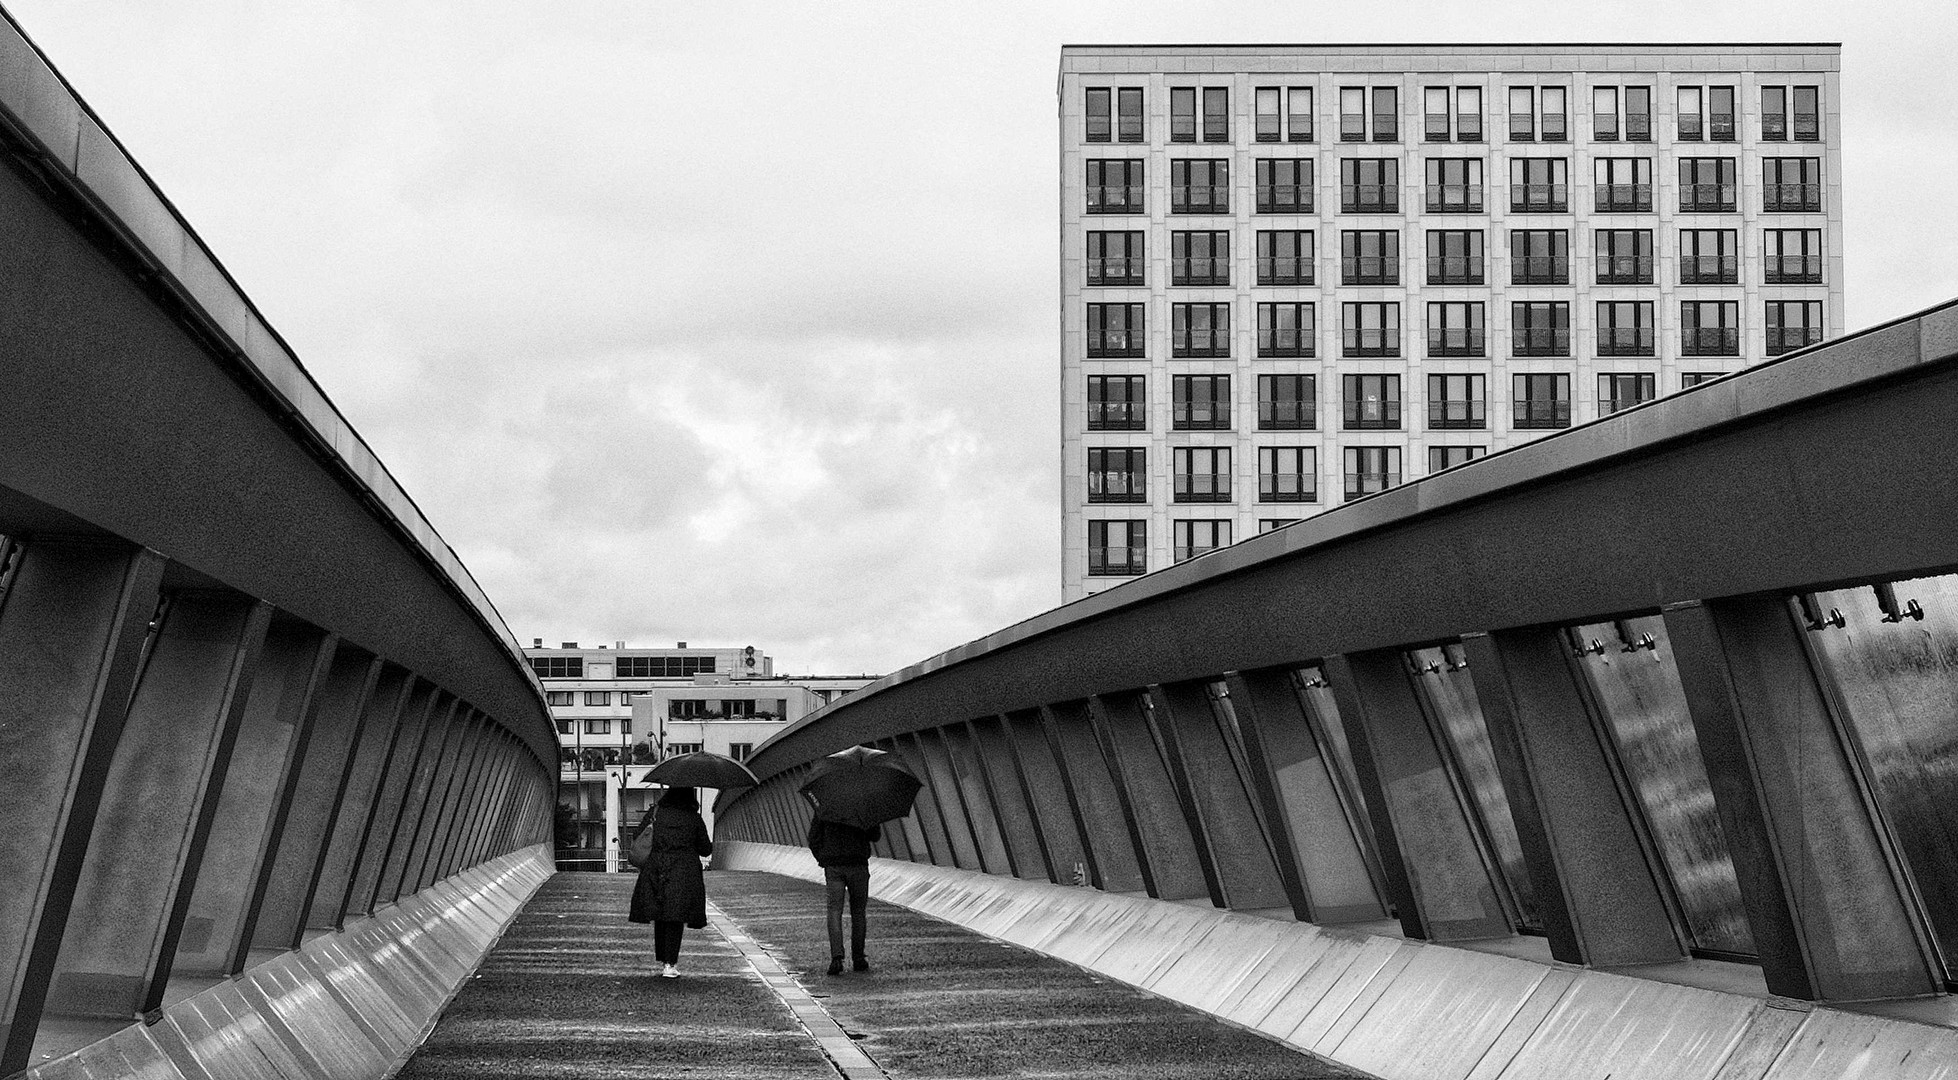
(853,793)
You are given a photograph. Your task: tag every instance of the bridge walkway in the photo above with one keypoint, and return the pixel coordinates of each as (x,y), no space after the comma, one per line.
(571,991)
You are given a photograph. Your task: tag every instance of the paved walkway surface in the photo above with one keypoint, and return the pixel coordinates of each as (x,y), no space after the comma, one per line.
(572,991)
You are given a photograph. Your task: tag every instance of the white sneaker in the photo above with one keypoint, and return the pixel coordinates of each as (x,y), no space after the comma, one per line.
(668,971)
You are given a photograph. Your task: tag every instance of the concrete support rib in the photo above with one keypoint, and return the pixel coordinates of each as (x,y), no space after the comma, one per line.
(981,809)
(935,763)
(1570,805)
(255,800)
(1441,887)
(1029,763)
(416,721)
(1201,740)
(159,806)
(340,859)
(1110,846)
(1164,844)
(1317,846)
(927,809)
(1822,890)
(72,625)
(1007,787)
(442,724)
(450,783)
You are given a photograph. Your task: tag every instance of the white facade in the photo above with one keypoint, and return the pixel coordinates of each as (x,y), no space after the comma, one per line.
(1643,314)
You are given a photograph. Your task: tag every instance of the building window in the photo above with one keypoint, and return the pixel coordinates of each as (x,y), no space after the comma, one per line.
(1458,403)
(1194,538)
(1200,402)
(740,751)
(1540,328)
(1288,474)
(1370,469)
(1604,113)
(1200,330)
(1353,114)
(1791,185)
(1216,114)
(663,667)
(1709,327)
(1115,330)
(1625,328)
(1522,114)
(1369,186)
(1285,257)
(1706,185)
(1624,185)
(1623,390)
(1370,329)
(1284,185)
(1709,257)
(1200,186)
(1455,257)
(688,709)
(1117,403)
(1200,258)
(1101,127)
(1638,114)
(1455,328)
(1808,114)
(1774,113)
(1720,113)
(1637,126)
(1115,258)
(1128,114)
(1541,401)
(598,727)
(1624,256)
(625,723)
(598,697)
(1286,329)
(1466,116)
(1118,548)
(1539,185)
(558,667)
(678,748)
(1793,324)
(559,698)
(1690,114)
(1117,474)
(1292,122)
(1370,257)
(1539,257)
(1690,379)
(563,727)
(1115,186)
(1266,525)
(1202,474)
(1287,402)
(1370,402)
(1793,256)
(1386,114)
(1447,457)
(1454,185)
(1182,114)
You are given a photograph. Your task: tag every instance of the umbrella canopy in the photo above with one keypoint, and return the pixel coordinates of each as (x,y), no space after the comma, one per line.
(701,769)
(862,787)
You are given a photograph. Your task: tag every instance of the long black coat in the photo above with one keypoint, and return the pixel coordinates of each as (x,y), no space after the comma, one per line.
(670,887)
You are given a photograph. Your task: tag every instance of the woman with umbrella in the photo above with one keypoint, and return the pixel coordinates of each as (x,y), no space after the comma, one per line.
(672,839)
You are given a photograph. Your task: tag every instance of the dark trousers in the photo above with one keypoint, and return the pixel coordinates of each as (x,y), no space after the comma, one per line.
(666,940)
(854,880)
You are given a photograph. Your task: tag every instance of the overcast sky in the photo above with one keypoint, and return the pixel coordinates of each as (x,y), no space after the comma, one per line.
(735,323)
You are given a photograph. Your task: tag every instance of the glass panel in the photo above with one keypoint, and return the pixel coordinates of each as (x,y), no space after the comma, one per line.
(1898,682)
(1445,688)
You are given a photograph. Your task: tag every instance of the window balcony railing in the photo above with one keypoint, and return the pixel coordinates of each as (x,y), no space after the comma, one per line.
(1369,270)
(1362,484)
(1808,127)
(1537,414)
(1458,415)
(1286,487)
(1352,127)
(1284,199)
(1539,270)
(1287,415)
(1117,488)
(1721,126)
(1182,129)
(1455,198)
(1369,199)
(1114,270)
(1129,129)
(1455,270)
(1114,200)
(1386,127)
(1623,198)
(1794,270)
(1456,341)
(1604,127)
(1201,417)
(1615,403)
(1200,342)
(1709,270)
(1267,128)
(1200,199)
(1115,344)
(1785,339)
(1626,341)
(1114,561)
(1370,343)
(1706,199)
(1202,488)
(1709,341)
(1792,198)
(1540,341)
(1435,127)
(1625,270)
(1201,270)
(1371,415)
(1116,416)
(1282,342)
(1773,128)
(1539,198)
(1555,127)
(1468,127)
(1638,127)
(1690,129)
(1522,127)
(1284,270)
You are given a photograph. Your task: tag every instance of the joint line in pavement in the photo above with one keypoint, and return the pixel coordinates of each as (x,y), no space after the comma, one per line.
(845,1055)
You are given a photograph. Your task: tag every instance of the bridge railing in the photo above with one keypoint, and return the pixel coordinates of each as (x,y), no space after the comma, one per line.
(247,694)
(1681,682)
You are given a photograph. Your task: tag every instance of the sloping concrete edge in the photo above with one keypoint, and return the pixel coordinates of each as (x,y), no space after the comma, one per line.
(350,1005)
(1403,1010)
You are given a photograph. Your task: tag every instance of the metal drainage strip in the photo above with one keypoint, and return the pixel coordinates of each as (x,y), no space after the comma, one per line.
(844,1054)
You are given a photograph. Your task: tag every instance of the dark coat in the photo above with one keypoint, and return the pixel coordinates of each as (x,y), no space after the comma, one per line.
(835,844)
(670,887)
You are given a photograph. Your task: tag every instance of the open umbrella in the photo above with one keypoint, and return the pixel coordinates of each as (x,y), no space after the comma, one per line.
(701,769)
(862,787)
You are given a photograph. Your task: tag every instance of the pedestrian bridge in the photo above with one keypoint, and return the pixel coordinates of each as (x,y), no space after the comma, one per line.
(1626,752)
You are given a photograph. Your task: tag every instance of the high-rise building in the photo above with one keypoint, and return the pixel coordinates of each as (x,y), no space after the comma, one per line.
(1292,276)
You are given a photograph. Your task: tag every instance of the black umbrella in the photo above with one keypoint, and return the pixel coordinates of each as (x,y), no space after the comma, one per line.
(862,787)
(701,769)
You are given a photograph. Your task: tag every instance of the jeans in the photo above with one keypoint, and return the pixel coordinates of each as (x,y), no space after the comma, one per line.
(666,940)
(854,880)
